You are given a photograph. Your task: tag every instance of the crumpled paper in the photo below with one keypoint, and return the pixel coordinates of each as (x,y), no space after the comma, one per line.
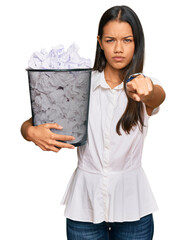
(58,58)
(63,98)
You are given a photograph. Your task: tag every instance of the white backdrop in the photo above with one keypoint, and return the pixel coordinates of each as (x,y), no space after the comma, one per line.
(32,182)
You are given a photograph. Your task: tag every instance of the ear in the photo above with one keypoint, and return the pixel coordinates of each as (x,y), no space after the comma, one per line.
(100,43)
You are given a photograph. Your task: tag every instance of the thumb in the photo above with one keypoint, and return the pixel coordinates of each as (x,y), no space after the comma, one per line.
(134,96)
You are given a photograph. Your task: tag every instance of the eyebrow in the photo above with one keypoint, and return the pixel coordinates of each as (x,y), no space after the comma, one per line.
(123,37)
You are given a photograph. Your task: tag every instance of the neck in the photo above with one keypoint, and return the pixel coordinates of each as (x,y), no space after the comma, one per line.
(112,75)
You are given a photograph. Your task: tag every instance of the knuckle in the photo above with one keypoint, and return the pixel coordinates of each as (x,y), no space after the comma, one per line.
(55,125)
(140,93)
(139,77)
(46,147)
(46,125)
(65,138)
(67,146)
(50,141)
(68,138)
(52,136)
(43,148)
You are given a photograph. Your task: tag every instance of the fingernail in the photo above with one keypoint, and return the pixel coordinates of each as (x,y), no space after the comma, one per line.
(60,127)
(73,138)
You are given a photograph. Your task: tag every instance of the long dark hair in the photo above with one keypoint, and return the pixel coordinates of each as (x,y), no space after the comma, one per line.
(133,114)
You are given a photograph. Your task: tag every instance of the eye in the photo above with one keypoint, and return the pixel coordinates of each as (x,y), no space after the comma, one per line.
(109,40)
(127,40)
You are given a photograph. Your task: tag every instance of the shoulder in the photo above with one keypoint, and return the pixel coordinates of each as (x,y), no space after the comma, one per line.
(96,79)
(95,74)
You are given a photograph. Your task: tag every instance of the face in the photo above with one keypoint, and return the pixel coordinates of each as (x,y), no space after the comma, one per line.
(118,44)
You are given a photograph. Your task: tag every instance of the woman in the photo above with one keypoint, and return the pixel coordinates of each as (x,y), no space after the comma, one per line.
(108,196)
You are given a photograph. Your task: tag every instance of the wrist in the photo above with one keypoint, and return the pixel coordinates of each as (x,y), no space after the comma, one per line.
(29,133)
(148,100)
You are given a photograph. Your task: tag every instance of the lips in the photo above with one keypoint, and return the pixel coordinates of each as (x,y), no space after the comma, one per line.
(118,58)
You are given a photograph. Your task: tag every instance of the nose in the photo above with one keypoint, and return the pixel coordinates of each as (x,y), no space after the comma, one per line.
(118,47)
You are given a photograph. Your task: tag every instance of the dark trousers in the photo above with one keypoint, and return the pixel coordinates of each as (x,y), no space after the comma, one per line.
(142,229)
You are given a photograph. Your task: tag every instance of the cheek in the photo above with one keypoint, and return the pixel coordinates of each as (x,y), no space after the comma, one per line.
(108,53)
(130,52)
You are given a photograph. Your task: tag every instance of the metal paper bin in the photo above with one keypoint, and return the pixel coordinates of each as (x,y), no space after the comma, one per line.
(61,96)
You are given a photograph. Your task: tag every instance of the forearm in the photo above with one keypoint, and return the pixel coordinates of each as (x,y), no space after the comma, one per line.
(157,97)
(42,136)
(25,129)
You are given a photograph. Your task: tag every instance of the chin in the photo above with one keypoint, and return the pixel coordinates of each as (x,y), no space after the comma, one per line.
(119,65)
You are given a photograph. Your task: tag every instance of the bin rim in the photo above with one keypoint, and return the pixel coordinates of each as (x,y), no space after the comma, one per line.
(58,70)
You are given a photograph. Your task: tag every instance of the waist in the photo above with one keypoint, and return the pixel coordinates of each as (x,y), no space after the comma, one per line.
(105,172)
(106,162)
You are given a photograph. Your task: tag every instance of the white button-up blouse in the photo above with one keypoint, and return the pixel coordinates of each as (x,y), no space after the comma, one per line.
(109,183)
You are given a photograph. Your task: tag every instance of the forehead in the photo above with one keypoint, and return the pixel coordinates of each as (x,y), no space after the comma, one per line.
(117,28)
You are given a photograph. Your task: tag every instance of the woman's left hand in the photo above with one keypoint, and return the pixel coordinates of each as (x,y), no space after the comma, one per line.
(140,89)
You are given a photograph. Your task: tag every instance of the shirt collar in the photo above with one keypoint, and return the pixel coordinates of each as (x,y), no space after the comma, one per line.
(99,80)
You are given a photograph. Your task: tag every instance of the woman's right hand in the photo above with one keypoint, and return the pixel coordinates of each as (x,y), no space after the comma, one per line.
(43,137)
